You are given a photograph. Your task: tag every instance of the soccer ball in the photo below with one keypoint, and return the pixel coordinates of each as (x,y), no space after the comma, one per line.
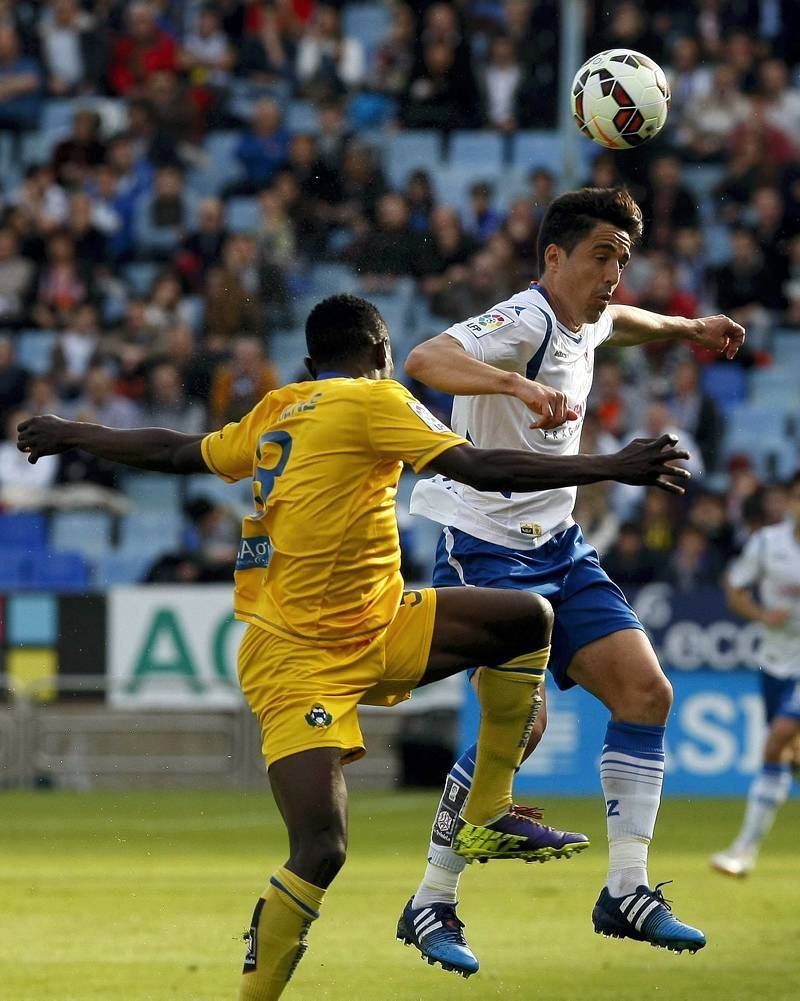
(620,98)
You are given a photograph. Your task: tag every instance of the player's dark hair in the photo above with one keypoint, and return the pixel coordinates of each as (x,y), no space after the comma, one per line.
(572,215)
(341,328)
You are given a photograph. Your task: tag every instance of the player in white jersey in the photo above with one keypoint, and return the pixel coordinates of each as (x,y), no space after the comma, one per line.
(770,566)
(535,352)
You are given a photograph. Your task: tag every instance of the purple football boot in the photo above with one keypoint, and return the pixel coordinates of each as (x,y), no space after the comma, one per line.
(517,834)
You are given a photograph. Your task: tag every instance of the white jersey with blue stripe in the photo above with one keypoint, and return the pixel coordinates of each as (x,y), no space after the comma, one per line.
(770,563)
(519,335)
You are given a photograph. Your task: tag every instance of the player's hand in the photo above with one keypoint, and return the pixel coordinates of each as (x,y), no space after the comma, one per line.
(550,404)
(776,617)
(47,435)
(649,462)
(719,333)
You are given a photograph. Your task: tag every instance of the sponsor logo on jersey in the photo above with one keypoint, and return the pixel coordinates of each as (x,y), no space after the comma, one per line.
(427,417)
(253,553)
(318,717)
(530,528)
(488,322)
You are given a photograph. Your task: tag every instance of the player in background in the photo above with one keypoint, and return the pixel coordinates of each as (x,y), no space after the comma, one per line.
(318,581)
(535,351)
(770,566)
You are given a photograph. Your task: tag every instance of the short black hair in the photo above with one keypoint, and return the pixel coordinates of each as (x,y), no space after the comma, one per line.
(341,328)
(572,215)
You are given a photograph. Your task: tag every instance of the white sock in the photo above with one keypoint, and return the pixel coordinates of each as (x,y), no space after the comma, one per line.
(440,882)
(632,774)
(769,790)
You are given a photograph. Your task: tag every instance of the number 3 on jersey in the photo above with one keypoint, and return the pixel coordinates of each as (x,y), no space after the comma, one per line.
(264,479)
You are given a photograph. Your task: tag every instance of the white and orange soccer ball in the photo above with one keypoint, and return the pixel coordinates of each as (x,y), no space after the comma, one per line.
(620,98)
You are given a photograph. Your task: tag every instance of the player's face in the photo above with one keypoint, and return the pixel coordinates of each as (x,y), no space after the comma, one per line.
(586,278)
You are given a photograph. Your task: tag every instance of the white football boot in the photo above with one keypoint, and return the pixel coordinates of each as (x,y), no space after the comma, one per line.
(734,862)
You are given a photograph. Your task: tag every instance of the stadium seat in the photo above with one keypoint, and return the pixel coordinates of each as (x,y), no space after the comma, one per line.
(242,214)
(26,532)
(237,497)
(139,276)
(786,349)
(152,533)
(775,386)
(407,151)
(718,244)
(368,22)
(301,116)
(37,147)
(152,492)
(702,178)
(122,566)
(533,148)
(57,113)
(330,279)
(726,384)
(765,423)
(475,148)
(34,350)
(86,532)
(59,572)
(220,167)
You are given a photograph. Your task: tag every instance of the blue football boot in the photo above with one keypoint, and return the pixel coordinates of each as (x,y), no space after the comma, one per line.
(436,931)
(647,917)
(516,835)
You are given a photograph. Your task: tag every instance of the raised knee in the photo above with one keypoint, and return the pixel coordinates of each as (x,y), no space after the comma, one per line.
(655,699)
(534,626)
(320,856)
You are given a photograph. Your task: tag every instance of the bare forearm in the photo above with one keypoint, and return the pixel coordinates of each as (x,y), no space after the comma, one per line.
(743,603)
(524,472)
(638,326)
(156,449)
(443,364)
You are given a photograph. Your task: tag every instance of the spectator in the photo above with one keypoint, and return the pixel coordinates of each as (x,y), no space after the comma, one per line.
(41,199)
(71,48)
(16,276)
(167,404)
(177,122)
(319,185)
(689,80)
(394,57)
(615,403)
(90,241)
(500,82)
(230,309)
(781,106)
(521,229)
(419,200)
(101,404)
(142,50)
(435,97)
(695,411)
(275,236)
(474,289)
(658,420)
(213,538)
(76,348)
(207,58)
(334,136)
(693,562)
(481,220)
(691,265)
(707,514)
(165,216)
(23,486)
(629,28)
(328,62)
(20,83)
(202,247)
(13,378)
(240,383)
(628,562)
(446,251)
(362,184)
(263,150)
(64,283)
(389,251)
(667,204)
(265,57)
(167,306)
(708,124)
(77,156)
(745,284)
(543,190)
(657,521)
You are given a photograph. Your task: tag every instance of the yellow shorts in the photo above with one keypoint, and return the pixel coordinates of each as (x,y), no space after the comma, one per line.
(306,696)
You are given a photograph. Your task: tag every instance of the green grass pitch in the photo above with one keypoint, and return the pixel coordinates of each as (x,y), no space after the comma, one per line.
(144,897)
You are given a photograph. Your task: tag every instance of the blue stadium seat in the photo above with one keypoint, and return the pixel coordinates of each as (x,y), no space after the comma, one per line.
(368,22)
(59,572)
(242,214)
(726,384)
(786,347)
(776,386)
(121,566)
(765,423)
(152,492)
(702,178)
(535,148)
(717,243)
(152,533)
(238,497)
(57,113)
(301,116)
(475,148)
(407,151)
(221,168)
(139,276)
(34,350)
(25,532)
(329,279)
(37,147)
(87,532)
(451,184)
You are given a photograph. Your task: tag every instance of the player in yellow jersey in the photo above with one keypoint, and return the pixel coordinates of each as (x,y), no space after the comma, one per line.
(330,626)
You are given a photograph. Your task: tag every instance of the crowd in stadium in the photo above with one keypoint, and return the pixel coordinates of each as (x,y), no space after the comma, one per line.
(144,282)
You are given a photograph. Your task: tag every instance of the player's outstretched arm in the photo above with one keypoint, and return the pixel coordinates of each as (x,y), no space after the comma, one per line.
(158,449)
(633,325)
(644,462)
(443,364)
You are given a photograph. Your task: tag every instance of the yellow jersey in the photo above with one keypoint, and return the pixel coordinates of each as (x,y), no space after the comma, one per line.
(319,559)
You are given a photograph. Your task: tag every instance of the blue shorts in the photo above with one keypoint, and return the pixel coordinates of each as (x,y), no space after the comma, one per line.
(781,696)
(587,603)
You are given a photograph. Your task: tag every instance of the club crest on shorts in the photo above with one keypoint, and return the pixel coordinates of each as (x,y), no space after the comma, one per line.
(318,717)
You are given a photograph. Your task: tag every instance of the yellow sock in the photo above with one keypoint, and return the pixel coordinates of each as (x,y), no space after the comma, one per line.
(510,700)
(277,938)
